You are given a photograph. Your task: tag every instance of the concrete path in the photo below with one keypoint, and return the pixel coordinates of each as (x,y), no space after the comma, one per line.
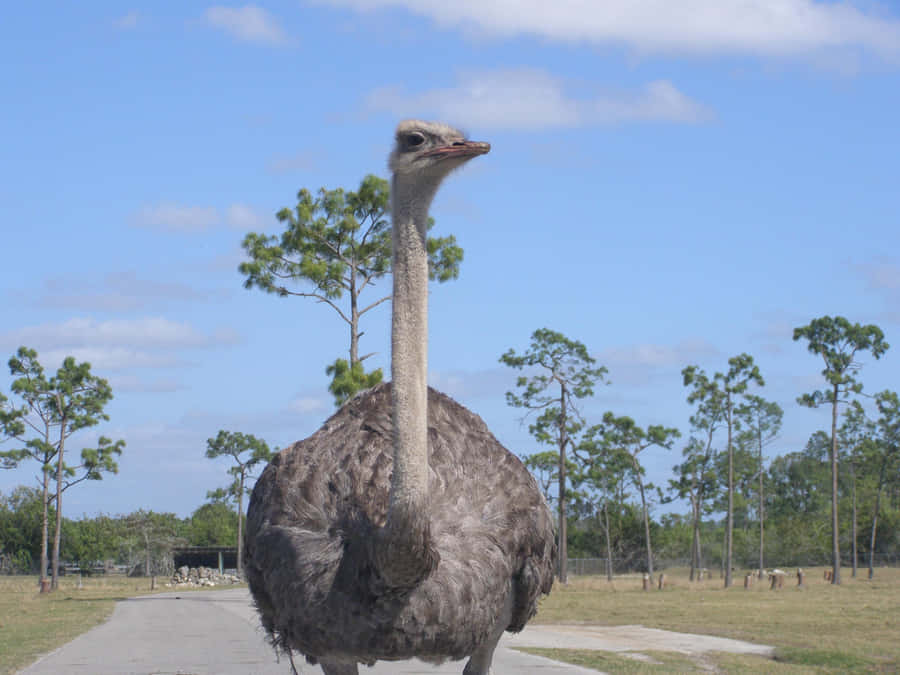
(217,633)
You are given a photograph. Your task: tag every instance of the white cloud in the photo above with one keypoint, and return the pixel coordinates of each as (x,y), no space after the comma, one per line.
(128,21)
(117,292)
(132,383)
(243,217)
(177,217)
(150,332)
(638,364)
(171,217)
(880,274)
(306,405)
(107,358)
(532,99)
(764,27)
(116,344)
(490,383)
(248,24)
(282,164)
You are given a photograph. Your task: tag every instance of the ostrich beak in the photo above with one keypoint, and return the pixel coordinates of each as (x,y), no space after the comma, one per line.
(460,149)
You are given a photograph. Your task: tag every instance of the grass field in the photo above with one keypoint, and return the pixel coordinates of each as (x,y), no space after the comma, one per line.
(821,628)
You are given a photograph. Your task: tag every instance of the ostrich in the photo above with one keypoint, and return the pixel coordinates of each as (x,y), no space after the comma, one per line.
(401,528)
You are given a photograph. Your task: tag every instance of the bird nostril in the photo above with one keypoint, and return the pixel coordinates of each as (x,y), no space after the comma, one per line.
(459,143)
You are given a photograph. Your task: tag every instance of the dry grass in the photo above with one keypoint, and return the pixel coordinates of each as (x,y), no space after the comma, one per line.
(655,662)
(32,624)
(819,628)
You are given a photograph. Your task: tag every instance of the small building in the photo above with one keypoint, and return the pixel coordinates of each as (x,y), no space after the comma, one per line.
(215,557)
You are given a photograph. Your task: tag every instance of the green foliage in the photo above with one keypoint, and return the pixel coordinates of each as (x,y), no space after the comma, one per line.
(236,445)
(618,438)
(563,372)
(545,468)
(90,540)
(614,445)
(346,380)
(53,409)
(146,540)
(696,476)
(338,243)
(20,527)
(799,482)
(838,341)
(214,524)
(562,363)
(626,533)
(247,452)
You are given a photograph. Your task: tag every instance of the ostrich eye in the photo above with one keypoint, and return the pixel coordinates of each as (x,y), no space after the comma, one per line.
(414,140)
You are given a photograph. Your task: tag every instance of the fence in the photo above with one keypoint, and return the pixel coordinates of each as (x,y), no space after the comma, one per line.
(597,566)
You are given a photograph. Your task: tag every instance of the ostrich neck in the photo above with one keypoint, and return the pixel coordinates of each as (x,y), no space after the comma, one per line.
(405,554)
(409,355)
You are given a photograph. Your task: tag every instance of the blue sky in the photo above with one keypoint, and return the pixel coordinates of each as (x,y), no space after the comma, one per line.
(670,183)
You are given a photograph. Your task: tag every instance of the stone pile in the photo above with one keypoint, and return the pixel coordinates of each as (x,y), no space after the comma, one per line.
(201,576)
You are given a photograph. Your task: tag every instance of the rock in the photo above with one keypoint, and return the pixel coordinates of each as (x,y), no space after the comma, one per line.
(202,576)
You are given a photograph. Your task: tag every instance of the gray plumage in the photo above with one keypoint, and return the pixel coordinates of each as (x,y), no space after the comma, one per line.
(353,558)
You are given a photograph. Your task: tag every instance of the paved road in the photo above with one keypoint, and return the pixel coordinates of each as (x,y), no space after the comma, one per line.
(217,633)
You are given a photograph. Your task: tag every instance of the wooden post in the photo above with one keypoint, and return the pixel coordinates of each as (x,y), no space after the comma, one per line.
(748,581)
(646,582)
(800,577)
(153,583)
(662,581)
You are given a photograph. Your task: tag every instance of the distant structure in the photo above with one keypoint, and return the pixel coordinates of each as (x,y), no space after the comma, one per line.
(402,528)
(215,557)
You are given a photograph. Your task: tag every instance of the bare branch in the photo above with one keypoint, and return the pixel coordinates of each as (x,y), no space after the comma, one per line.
(374,304)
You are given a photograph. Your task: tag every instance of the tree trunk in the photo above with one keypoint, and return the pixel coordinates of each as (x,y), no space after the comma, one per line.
(563,551)
(762,508)
(646,521)
(146,553)
(354,328)
(699,552)
(609,569)
(240,538)
(54,583)
(697,540)
(853,551)
(724,554)
(875,518)
(729,529)
(695,537)
(45,529)
(835,532)
(872,537)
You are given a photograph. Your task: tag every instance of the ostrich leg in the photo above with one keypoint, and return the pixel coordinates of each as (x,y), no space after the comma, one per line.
(480,661)
(339,668)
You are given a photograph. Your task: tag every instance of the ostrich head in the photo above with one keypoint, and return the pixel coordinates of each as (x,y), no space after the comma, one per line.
(430,150)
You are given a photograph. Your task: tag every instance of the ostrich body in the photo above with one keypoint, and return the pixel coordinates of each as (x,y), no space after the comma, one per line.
(402,528)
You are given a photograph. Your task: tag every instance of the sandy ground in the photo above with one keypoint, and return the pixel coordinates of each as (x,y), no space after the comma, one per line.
(217,633)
